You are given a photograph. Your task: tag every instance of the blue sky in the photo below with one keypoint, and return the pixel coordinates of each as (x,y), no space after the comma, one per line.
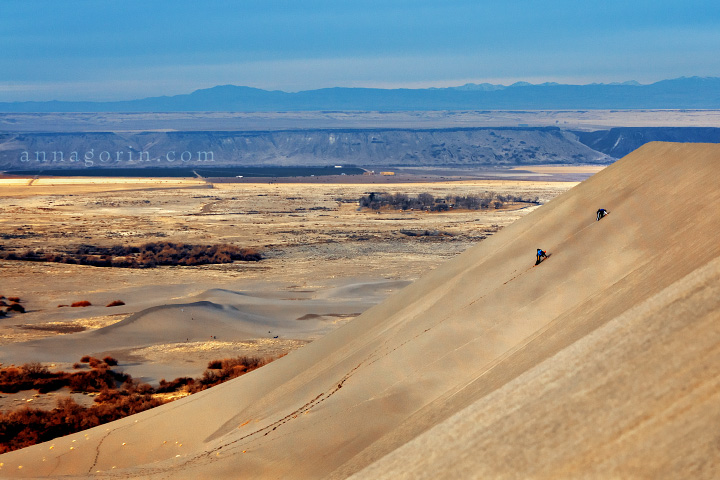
(113,50)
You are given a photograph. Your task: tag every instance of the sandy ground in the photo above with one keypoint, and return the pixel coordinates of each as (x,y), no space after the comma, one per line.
(46,401)
(585,366)
(326,262)
(16,187)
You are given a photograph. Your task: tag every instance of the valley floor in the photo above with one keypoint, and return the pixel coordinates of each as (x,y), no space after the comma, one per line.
(325,261)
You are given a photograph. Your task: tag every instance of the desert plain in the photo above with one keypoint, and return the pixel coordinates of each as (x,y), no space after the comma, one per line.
(325,261)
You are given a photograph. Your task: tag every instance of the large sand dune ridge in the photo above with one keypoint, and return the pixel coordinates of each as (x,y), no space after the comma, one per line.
(600,362)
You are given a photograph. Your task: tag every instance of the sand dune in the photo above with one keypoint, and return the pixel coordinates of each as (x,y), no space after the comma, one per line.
(602,362)
(218,314)
(637,398)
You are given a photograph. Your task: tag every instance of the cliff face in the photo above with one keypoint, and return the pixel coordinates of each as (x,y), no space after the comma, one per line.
(618,142)
(390,147)
(459,147)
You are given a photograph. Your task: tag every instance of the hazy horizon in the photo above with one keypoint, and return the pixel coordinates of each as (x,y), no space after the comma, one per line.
(390,87)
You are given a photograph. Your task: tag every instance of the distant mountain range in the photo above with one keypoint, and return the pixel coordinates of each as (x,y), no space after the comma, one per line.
(680,93)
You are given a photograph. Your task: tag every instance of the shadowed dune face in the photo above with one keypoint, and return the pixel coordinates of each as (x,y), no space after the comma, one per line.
(601,359)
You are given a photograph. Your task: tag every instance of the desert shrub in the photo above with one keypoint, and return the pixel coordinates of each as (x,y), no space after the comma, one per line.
(174,385)
(132,386)
(16,307)
(81,303)
(115,303)
(36,376)
(13,306)
(119,396)
(148,255)
(95,362)
(10,374)
(426,201)
(50,384)
(13,380)
(88,381)
(28,426)
(108,395)
(35,370)
(96,380)
(144,389)
(209,377)
(220,371)
(122,262)
(110,361)
(250,362)
(215,365)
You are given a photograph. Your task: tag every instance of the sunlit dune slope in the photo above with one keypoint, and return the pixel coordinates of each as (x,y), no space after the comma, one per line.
(637,398)
(602,360)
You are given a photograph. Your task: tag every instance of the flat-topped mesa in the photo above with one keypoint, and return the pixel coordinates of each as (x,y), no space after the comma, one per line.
(603,358)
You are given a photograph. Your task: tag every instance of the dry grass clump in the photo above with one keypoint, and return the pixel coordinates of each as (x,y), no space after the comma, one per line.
(148,255)
(115,303)
(119,396)
(81,303)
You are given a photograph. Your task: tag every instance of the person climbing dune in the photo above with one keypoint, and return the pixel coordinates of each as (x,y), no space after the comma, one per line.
(540,255)
(601,213)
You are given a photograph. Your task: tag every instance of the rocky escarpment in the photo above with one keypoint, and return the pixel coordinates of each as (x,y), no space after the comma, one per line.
(618,142)
(387,147)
